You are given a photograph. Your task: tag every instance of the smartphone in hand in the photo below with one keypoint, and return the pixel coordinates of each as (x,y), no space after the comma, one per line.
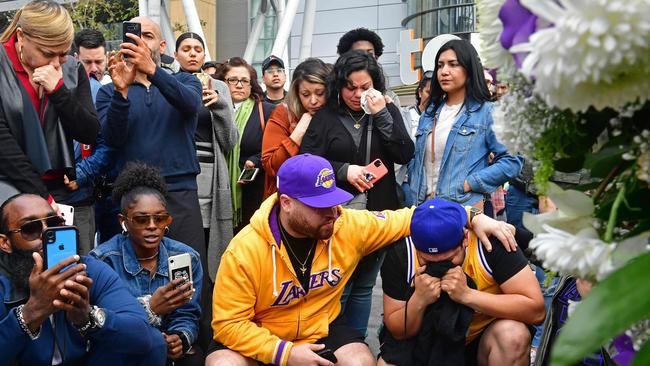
(180,266)
(59,243)
(375,171)
(133,28)
(327,354)
(248,174)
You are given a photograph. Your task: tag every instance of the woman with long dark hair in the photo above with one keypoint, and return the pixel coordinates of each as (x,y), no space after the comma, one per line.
(289,121)
(455,138)
(340,133)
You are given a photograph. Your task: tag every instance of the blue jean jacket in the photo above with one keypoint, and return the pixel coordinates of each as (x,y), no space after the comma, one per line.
(470,142)
(119,254)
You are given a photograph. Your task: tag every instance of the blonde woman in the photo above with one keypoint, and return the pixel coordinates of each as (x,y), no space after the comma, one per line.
(288,122)
(46,103)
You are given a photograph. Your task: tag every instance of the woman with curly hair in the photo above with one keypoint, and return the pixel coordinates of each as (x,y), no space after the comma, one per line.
(139,256)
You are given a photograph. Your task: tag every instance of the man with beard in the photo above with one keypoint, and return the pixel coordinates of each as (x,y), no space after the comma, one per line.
(150,116)
(278,290)
(77,315)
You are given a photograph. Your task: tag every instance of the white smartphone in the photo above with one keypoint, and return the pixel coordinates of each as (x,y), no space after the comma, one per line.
(68,213)
(180,266)
(248,174)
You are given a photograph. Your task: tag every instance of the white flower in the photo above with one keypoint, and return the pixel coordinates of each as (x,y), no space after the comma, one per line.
(596,54)
(574,212)
(490,28)
(584,255)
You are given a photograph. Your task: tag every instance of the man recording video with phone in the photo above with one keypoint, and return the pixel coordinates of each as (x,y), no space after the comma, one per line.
(150,116)
(277,295)
(80,314)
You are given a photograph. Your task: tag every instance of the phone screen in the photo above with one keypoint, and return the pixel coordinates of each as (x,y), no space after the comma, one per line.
(133,28)
(180,266)
(248,174)
(59,243)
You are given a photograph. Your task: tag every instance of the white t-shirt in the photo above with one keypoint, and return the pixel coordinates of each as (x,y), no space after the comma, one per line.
(445,121)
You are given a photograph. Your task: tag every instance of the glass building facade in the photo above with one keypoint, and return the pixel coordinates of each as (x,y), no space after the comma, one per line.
(430,18)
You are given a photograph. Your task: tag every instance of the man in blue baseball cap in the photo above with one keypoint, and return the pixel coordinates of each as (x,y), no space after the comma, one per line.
(278,288)
(443,260)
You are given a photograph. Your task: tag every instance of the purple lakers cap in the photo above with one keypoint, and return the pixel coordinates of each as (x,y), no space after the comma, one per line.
(311,180)
(438,225)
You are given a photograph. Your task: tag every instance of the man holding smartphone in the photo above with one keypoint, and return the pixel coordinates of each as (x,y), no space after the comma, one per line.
(150,116)
(278,289)
(64,316)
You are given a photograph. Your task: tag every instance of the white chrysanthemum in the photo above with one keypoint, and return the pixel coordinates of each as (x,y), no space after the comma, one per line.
(596,54)
(490,28)
(584,255)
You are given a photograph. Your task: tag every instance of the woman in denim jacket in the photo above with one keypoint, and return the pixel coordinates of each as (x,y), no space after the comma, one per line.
(139,257)
(458,169)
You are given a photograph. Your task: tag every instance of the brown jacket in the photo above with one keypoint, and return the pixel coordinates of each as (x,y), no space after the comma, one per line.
(277,146)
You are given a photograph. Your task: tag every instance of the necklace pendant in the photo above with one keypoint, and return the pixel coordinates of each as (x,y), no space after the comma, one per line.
(303,269)
(357,125)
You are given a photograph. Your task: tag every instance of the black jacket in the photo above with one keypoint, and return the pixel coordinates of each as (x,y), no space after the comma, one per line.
(69,114)
(328,137)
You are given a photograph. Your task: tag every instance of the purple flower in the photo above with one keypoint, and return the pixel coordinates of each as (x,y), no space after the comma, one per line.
(518,24)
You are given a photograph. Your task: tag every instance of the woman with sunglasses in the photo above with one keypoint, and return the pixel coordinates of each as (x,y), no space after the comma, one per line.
(139,256)
(45,103)
(251,113)
(215,137)
(289,121)
(455,138)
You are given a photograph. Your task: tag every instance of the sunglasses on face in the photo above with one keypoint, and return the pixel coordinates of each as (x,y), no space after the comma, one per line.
(32,230)
(142,221)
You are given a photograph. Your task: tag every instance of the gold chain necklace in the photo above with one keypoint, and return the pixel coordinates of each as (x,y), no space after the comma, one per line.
(357,123)
(302,268)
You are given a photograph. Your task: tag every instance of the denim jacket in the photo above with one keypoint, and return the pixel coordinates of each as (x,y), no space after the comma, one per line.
(119,254)
(470,142)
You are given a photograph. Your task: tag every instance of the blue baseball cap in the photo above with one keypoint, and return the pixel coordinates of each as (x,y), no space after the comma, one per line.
(311,180)
(438,225)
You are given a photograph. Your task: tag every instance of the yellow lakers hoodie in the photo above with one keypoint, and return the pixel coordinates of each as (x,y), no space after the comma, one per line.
(260,309)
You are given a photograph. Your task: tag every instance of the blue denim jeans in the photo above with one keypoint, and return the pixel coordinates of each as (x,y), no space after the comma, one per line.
(518,202)
(357,296)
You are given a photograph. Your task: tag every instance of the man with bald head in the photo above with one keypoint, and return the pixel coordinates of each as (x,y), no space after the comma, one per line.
(150,116)
(76,312)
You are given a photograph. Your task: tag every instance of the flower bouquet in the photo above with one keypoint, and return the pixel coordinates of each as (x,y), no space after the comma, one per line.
(579,99)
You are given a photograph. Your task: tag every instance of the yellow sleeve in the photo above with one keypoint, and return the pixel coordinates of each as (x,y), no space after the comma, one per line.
(377,229)
(233,308)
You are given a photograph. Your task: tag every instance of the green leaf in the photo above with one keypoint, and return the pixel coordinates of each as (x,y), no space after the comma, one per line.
(602,162)
(642,358)
(612,306)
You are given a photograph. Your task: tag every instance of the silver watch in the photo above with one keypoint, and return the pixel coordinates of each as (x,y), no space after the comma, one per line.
(96,320)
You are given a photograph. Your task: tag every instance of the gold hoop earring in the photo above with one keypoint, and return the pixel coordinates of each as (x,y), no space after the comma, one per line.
(166,230)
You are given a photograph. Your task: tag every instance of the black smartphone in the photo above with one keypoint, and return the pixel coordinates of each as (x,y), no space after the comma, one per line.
(59,243)
(327,354)
(133,28)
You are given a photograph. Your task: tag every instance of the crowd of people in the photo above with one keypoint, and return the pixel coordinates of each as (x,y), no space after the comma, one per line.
(288,204)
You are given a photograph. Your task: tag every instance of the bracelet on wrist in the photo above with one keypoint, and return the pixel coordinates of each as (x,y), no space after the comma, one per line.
(152,318)
(23,325)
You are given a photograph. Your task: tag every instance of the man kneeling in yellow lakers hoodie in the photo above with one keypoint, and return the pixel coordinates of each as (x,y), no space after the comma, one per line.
(279,284)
